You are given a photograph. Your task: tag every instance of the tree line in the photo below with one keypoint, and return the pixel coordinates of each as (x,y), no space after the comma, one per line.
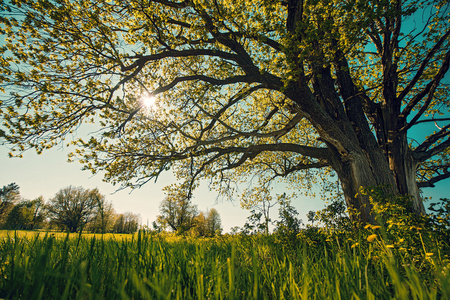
(75,208)
(71,209)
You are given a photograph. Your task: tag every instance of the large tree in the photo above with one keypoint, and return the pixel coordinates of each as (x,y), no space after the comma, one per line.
(177,212)
(296,89)
(73,207)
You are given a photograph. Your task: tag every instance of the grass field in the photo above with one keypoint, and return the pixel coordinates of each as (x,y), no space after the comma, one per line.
(152,266)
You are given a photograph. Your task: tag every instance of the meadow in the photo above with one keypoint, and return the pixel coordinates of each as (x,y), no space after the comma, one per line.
(311,265)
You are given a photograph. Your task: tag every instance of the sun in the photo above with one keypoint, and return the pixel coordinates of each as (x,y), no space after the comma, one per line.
(148,101)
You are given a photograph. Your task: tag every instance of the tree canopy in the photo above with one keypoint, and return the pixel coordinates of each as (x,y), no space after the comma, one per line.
(177,212)
(296,90)
(26,215)
(73,207)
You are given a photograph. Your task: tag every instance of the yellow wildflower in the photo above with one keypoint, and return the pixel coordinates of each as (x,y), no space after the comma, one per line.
(367,226)
(390,246)
(376,227)
(371,237)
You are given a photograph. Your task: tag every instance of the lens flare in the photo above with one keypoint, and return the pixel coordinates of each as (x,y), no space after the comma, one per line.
(148,101)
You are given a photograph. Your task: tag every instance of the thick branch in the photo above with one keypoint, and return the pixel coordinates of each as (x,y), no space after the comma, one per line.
(182,4)
(302,166)
(141,60)
(313,152)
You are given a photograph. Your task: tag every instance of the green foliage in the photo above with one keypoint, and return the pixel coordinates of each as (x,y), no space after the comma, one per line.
(208,226)
(177,212)
(73,207)
(298,91)
(214,223)
(441,213)
(126,223)
(408,231)
(10,193)
(26,215)
(254,224)
(200,228)
(9,196)
(333,217)
(288,223)
(421,241)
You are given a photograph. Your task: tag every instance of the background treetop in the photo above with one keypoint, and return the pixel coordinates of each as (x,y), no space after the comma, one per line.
(298,90)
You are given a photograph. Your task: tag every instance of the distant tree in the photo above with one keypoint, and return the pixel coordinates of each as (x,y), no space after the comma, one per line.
(126,223)
(73,207)
(288,222)
(177,212)
(19,217)
(200,224)
(254,224)
(10,193)
(9,196)
(26,215)
(213,222)
(235,230)
(104,217)
(157,226)
(260,202)
(333,216)
(311,217)
(39,212)
(119,224)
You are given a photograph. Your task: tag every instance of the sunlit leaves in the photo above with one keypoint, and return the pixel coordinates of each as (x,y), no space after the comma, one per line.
(236,88)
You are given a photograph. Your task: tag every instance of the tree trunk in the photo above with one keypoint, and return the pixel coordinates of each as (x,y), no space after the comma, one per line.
(357,171)
(404,167)
(359,159)
(412,188)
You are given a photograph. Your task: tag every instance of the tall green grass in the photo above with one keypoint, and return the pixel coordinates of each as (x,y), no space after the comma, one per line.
(150,266)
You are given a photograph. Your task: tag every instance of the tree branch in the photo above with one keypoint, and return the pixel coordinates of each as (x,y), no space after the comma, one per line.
(429,89)
(432,181)
(421,69)
(421,154)
(141,60)
(182,4)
